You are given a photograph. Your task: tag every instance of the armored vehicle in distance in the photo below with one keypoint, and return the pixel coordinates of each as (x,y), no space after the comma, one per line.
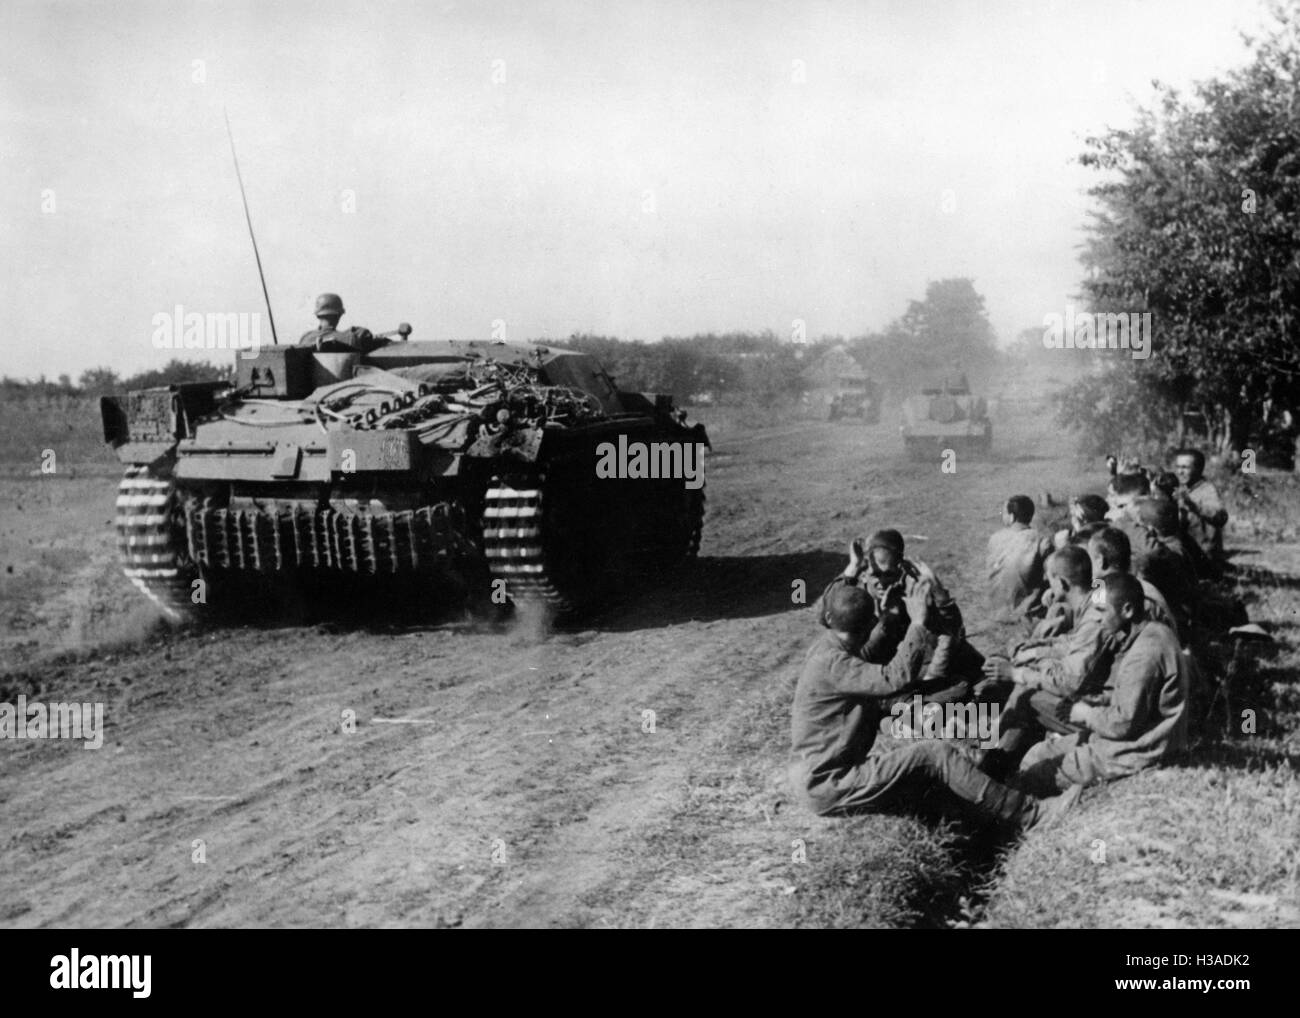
(857,397)
(946,416)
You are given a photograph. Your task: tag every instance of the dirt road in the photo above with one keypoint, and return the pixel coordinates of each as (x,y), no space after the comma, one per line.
(492,778)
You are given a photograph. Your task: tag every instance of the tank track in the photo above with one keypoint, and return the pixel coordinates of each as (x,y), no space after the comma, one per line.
(512,544)
(149,544)
(515,523)
(155,555)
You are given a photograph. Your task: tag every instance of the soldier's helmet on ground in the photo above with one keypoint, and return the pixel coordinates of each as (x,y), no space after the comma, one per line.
(329,304)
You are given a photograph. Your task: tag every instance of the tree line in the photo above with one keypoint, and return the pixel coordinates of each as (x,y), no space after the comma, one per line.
(945,332)
(105,381)
(1195,222)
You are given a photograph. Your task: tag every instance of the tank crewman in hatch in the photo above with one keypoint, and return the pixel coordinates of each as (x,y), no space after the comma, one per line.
(328,337)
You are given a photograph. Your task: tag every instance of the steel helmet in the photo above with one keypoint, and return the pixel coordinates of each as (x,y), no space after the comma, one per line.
(329,304)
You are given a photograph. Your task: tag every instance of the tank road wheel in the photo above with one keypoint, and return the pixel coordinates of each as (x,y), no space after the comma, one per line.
(151,544)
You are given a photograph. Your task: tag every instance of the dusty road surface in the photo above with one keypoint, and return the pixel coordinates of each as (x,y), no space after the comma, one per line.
(493,777)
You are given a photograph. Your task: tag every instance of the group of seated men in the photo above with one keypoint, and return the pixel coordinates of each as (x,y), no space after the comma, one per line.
(1097,690)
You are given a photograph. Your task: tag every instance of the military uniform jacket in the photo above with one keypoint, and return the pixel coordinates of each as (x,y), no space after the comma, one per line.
(944,617)
(360,340)
(839,702)
(1015,567)
(1158,609)
(1205,524)
(1144,719)
(1071,664)
(1164,564)
(948,629)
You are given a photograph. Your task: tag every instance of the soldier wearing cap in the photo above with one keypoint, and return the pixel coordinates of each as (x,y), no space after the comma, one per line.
(327,336)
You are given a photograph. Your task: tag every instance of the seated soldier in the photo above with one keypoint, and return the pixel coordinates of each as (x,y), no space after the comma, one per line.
(1193,619)
(1122,496)
(1015,561)
(1051,665)
(1171,533)
(839,703)
(1176,565)
(1199,503)
(1084,534)
(883,571)
(1111,553)
(877,566)
(1164,485)
(1084,509)
(1122,492)
(1069,593)
(1138,719)
(1164,559)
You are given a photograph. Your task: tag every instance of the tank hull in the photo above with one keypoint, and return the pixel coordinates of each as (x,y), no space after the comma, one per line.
(422,462)
(935,421)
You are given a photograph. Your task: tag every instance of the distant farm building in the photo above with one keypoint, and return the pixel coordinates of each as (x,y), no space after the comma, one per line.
(833,373)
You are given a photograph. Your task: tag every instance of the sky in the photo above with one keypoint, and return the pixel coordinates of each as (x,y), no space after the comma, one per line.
(633,169)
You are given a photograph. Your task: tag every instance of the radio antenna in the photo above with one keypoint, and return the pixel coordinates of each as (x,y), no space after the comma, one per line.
(249,219)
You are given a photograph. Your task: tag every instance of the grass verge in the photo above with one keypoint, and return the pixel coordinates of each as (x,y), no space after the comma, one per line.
(1214,842)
